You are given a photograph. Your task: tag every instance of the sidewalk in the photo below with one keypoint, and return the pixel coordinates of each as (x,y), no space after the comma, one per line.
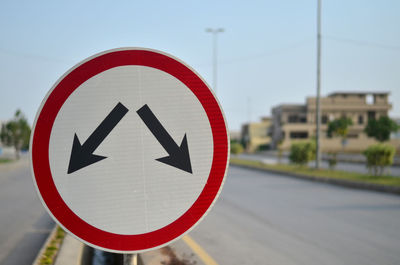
(342,157)
(9,166)
(271,157)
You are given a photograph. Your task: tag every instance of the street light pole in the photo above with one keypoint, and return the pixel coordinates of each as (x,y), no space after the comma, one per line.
(318,111)
(215,54)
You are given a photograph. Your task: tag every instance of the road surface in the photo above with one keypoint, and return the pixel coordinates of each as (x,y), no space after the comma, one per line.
(259,219)
(266,219)
(24,224)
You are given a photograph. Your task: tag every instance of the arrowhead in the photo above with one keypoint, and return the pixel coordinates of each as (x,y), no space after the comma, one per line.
(179,158)
(81,157)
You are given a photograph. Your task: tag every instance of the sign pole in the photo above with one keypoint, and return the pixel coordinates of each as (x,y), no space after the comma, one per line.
(128,259)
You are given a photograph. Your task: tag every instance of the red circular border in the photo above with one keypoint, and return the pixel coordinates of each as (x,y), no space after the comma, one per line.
(41,137)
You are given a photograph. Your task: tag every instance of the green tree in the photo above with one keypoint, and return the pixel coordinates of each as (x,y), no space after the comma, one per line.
(16,133)
(380,129)
(339,127)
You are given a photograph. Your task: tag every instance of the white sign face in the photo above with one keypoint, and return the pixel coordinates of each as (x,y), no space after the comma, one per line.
(129,150)
(118,193)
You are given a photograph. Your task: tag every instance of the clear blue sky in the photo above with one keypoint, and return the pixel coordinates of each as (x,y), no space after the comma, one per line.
(267,53)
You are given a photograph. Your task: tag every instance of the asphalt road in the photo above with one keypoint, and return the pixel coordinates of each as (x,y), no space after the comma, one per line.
(266,219)
(259,219)
(24,224)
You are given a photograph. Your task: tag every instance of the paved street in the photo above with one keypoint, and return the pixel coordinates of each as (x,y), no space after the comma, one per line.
(266,219)
(259,219)
(24,224)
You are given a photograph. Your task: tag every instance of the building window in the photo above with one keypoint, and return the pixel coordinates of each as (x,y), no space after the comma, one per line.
(297,119)
(360,119)
(370,99)
(324,119)
(352,135)
(292,119)
(298,135)
(371,115)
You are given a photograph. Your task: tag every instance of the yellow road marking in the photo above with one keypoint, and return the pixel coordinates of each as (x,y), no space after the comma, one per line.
(199,251)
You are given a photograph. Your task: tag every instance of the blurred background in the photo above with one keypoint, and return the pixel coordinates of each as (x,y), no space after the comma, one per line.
(266,55)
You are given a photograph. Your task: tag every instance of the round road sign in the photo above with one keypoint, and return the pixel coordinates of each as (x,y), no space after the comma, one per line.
(129,150)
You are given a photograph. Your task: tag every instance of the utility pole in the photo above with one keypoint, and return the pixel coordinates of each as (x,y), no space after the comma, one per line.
(215,54)
(318,110)
(249,109)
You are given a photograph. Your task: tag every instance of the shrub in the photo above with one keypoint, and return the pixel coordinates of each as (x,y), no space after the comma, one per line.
(263,147)
(236,148)
(378,157)
(332,161)
(302,152)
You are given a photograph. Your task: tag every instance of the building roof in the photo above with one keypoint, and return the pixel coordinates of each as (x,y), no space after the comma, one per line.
(359,93)
(291,106)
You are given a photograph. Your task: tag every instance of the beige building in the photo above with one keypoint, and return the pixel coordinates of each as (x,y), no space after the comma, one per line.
(298,122)
(235,136)
(255,135)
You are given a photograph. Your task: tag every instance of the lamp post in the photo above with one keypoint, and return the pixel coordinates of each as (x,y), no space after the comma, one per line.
(318,110)
(215,54)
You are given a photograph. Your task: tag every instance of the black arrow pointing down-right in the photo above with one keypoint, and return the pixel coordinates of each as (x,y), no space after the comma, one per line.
(178,155)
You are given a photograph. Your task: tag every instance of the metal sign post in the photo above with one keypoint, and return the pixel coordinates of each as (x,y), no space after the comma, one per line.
(130,259)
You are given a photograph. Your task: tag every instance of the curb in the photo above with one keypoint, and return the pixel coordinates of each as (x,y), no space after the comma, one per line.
(46,243)
(326,157)
(357,161)
(337,182)
(70,252)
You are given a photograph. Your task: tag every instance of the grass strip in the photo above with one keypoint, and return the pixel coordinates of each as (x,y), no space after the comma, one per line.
(5,160)
(49,254)
(386,180)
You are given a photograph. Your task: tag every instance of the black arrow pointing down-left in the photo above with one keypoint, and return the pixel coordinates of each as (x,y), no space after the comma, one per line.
(82,155)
